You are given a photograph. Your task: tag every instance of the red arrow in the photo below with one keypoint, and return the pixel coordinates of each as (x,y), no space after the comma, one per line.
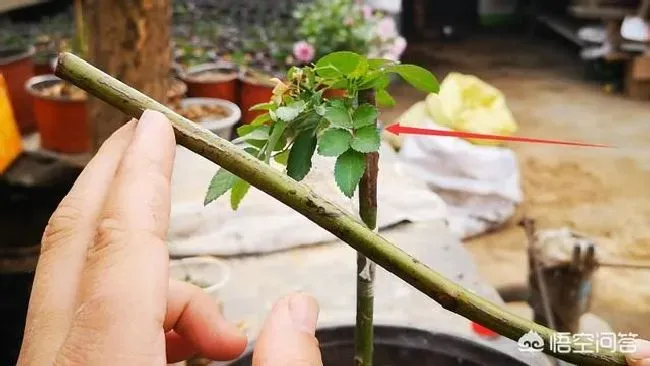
(397,130)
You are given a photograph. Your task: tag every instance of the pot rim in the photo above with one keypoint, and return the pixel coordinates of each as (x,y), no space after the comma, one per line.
(223,268)
(22,53)
(216,124)
(34,81)
(189,74)
(173,78)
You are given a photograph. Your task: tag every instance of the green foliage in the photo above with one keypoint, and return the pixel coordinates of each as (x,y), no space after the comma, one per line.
(239,190)
(366,139)
(334,142)
(299,161)
(348,170)
(298,119)
(220,184)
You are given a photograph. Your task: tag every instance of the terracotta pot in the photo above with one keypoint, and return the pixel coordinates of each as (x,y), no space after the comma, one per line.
(334,93)
(253,92)
(62,122)
(223,87)
(17,67)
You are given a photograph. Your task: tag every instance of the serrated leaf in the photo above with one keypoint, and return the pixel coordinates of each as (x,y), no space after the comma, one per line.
(299,162)
(337,64)
(262,106)
(337,113)
(366,139)
(260,120)
(238,192)
(282,158)
(364,115)
(348,171)
(420,78)
(334,142)
(384,99)
(221,182)
(289,112)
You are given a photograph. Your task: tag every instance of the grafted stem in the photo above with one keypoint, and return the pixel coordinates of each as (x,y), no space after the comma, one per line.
(364,339)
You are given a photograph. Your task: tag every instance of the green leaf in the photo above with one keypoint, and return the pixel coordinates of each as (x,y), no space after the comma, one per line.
(376,63)
(362,67)
(282,158)
(364,115)
(276,133)
(383,98)
(290,112)
(374,80)
(254,135)
(337,113)
(366,139)
(260,120)
(239,190)
(299,162)
(221,182)
(348,170)
(417,76)
(337,64)
(334,142)
(262,107)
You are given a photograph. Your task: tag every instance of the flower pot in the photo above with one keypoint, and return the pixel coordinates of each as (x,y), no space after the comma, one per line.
(17,67)
(254,91)
(209,273)
(62,121)
(403,346)
(198,110)
(212,81)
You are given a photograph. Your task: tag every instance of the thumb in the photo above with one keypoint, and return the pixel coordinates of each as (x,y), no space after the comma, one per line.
(287,338)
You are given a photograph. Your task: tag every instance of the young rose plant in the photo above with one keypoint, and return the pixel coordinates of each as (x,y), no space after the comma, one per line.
(300,121)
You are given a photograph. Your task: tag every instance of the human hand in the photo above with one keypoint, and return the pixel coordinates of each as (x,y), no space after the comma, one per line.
(642,355)
(102,293)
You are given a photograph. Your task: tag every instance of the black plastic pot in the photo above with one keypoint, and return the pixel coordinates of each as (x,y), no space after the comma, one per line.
(401,346)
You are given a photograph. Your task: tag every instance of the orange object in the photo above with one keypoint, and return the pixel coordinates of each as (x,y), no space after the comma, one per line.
(335,93)
(62,123)
(223,87)
(17,67)
(483,331)
(252,93)
(10,143)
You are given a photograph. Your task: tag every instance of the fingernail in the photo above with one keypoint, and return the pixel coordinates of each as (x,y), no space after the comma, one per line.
(148,120)
(304,312)
(642,353)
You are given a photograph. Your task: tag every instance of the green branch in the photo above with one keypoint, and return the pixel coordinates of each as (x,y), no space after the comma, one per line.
(325,214)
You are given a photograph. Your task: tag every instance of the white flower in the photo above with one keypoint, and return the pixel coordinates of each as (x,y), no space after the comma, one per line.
(386,29)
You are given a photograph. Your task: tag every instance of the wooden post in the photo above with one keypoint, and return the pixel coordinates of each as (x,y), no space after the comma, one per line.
(566,274)
(130,40)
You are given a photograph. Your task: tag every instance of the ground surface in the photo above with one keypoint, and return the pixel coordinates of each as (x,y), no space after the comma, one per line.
(601,192)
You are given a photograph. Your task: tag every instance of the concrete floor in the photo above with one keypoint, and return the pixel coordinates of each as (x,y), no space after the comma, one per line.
(601,192)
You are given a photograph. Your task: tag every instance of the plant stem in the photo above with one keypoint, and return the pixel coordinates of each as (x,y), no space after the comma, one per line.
(325,214)
(363,343)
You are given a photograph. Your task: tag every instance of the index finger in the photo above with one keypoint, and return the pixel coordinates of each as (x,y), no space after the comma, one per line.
(122,297)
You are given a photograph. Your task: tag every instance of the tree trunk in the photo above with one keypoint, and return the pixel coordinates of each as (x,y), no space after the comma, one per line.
(130,40)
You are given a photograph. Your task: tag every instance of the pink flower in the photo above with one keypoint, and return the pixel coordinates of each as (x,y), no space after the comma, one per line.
(386,28)
(366,11)
(398,47)
(304,51)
